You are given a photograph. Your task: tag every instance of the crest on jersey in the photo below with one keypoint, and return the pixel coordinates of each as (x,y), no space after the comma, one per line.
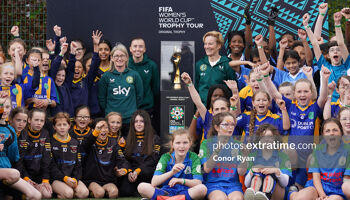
(342,161)
(159,166)
(188,170)
(42,141)
(74,148)
(311,115)
(129,79)
(109,149)
(203,67)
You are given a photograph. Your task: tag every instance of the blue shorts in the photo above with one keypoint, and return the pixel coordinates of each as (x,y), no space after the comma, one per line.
(327,189)
(225,189)
(177,189)
(301,176)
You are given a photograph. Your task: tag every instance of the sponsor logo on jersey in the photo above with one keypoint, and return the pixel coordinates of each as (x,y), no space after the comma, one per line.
(146,71)
(121,90)
(111,80)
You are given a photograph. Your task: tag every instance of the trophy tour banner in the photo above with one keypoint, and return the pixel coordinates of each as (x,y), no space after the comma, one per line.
(173,32)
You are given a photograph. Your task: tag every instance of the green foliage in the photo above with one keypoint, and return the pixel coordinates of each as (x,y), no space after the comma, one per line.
(333,7)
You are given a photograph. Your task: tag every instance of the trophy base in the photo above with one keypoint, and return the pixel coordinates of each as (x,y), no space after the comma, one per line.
(177,86)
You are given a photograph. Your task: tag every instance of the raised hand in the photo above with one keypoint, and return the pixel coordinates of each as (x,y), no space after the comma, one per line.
(57,30)
(186,78)
(337,18)
(247,16)
(96,36)
(15,31)
(302,34)
(73,47)
(345,12)
(33,61)
(331,87)
(264,68)
(232,85)
(307,71)
(272,16)
(320,40)
(3,96)
(322,9)
(63,40)
(284,43)
(64,48)
(281,104)
(306,19)
(50,45)
(259,39)
(325,72)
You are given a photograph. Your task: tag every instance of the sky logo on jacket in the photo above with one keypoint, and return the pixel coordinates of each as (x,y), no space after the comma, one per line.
(122,91)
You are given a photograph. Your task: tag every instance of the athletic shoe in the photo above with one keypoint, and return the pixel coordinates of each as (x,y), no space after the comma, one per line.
(260,196)
(249,194)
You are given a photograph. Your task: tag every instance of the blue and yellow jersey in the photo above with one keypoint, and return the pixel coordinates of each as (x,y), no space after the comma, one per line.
(25,71)
(246,95)
(243,122)
(304,121)
(332,168)
(203,127)
(225,172)
(18,93)
(100,72)
(192,169)
(335,107)
(46,90)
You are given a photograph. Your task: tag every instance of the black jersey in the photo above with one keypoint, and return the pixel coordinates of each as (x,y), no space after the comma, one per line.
(101,159)
(35,154)
(140,162)
(80,135)
(65,158)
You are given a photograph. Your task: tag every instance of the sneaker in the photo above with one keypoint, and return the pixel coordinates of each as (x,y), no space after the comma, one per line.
(145,199)
(260,196)
(293,188)
(249,194)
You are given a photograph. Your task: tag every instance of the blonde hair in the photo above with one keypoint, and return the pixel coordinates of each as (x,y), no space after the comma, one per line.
(122,48)
(8,64)
(217,35)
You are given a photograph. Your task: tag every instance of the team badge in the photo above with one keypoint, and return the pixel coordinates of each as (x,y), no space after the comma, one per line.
(46,86)
(109,150)
(311,115)
(188,170)
(159,166)
(129,79)
(203,67)
(23,144)
(201,153)
(342,161)
(15,91)
(74,149)
(42,141)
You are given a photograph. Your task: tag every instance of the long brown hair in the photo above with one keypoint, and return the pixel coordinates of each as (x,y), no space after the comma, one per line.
(149,132)
(253,113)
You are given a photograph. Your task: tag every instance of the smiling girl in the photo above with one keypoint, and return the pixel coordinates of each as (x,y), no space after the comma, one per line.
(178,172)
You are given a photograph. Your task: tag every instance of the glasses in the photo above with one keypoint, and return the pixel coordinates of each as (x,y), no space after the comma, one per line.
(118,56)
(79,49)
(225,125)
(83,117)
(334,49)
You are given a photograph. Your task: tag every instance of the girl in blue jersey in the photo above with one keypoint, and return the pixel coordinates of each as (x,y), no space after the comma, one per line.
(248,122)
(328,164)
(222,178)
(9,153)
(219,105)
(16,50)
(270,171)
(342,87)
(247,92)
(178,172)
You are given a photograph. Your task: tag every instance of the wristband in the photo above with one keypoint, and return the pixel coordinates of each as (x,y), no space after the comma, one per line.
(51,52)
(348,106)
(260,47)
(266,75)
(259,79)
(348,20)
(233,108)
(323,14)
(251,170)
(45,181)
(138,171)
(337,26)
(1,105)
(189,85)
(308,26)
(60,55)
(183,181)
(194,117)
(26,178)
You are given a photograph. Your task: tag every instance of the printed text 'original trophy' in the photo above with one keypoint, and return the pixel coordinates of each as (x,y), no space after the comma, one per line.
(176,60)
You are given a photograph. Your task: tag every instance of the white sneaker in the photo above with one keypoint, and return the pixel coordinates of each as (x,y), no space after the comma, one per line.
(249,194)
(260,196)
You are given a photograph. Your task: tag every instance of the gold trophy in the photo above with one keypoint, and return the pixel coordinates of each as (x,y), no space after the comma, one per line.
(176,60)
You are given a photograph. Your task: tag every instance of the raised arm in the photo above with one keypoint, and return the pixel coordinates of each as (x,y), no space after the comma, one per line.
(325,73)
(235,63)
(308,73)
(339,35)
(258,41)
(18,63)
(57,39)
(327,110)
(95,61)
(193,126)
(346,13)
(194,94)
(272,36)
(283,46)
(235,107)
(270,87)
(312,37)
(56,63)
(308,53)
(15,31)
(285,117)
(51,45)
(248,33)
(322,10)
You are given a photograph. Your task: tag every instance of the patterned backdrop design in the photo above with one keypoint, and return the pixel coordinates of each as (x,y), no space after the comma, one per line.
(229,15)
